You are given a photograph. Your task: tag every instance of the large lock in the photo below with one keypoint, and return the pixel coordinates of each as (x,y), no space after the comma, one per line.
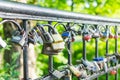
(2,43)
(19,38)
(53,45)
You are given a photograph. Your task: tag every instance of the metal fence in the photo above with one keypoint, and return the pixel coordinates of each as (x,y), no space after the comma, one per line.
(89,27)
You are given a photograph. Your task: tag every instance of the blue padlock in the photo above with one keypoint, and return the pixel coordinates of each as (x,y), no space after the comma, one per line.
(98,59)
(65,34)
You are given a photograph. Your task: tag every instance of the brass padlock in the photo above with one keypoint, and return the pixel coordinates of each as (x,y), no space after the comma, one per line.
(74,70)
(48,50)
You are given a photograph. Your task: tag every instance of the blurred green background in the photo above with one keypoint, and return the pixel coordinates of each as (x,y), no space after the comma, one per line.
(107,8)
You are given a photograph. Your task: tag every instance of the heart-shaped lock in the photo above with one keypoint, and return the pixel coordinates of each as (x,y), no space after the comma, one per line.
(113,72)
(87,37)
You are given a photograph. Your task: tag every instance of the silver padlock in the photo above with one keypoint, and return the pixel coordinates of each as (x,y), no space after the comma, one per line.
(37,38)
(58,74)
(19,38)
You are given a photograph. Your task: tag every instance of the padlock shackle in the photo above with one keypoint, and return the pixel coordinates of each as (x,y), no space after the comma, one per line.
(15,23)
(60,24)
(48,25)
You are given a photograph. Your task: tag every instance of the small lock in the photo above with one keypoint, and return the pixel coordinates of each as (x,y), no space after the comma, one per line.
(111,36)
(2,43)
(104,35)
(87,37)
(89,65)
(19,38)
(95,35)
(97,66)
(36,37)
(58,74)
(74,70)
(113,72)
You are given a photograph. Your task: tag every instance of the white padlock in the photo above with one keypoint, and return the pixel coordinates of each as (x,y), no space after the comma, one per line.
(2,43)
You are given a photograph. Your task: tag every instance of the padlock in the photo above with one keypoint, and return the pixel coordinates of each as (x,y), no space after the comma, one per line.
(87,37)
(56,36)
(19,38)
(46,37)
(101,62)
(47,49)
(36,37)
(113,72)
(111,36)
(95,35)
(2,43)
(68,36)
(90,66)
(75,71)
(104,36)
(54,44)
(58,46)
(97,66)
(57,74)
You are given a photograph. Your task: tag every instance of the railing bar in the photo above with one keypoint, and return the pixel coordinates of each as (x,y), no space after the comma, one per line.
(25,9)
(116,49)
(107,51)
(25,53)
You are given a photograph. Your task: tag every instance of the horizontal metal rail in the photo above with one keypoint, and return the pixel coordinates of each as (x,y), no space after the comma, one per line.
(16,10)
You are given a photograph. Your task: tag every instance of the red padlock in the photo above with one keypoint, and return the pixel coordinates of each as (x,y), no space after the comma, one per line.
(87,37)
(111,36)
(113,72)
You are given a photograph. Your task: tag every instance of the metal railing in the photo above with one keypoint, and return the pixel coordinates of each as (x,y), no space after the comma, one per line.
(14,10)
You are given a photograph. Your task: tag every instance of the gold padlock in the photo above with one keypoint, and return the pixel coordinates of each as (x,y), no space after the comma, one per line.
(48,50)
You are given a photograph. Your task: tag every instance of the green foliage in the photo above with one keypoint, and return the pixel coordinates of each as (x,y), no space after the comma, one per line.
(8,71)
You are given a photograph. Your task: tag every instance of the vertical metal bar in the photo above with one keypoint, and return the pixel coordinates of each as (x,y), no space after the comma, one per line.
(50,56)
(116,49)
(96,48)
(50,63)
(69,53)
(68,44)
(107,47)
(84,45)
(25,53)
